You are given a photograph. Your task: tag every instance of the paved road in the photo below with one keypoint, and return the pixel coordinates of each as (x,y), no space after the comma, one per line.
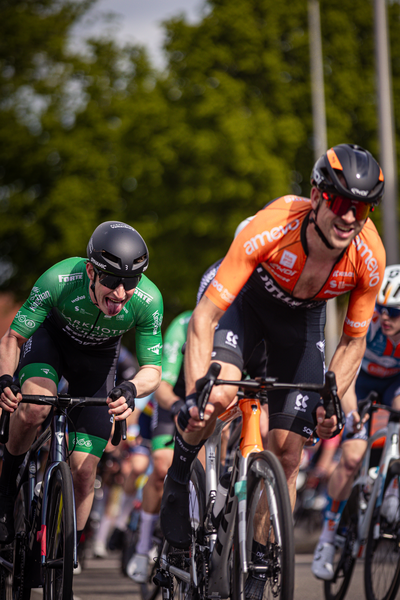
(101,580)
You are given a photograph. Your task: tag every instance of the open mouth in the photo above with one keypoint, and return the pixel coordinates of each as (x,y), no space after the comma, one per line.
(114,306)
(343,231)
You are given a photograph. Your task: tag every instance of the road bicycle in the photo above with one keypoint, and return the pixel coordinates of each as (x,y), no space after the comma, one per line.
(253,532)
(364,531)
(44,551)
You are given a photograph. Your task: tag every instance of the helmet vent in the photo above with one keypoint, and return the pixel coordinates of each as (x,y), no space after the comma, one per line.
(140,259)
(113,260)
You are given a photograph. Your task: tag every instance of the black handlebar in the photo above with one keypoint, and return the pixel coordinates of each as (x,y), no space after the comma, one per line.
(328,390)
(62,401)
(4,426)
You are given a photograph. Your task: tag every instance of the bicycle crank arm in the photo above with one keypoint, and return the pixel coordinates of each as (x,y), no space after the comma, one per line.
(182,575)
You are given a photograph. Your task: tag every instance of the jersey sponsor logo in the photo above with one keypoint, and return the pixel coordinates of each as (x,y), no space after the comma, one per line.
(36,298)
(275,233)
(380,371)
(27,347)
(288,259)
(340,285)
(24,320)
(321,345)
(78,298)
(357,324)
(171,351)
(157,320)
(70,277)
(156,349)
(83,443)
(231,339)
(143,296)
(369,259)
(301,403)
(225,294)
(272,288)
(338,273)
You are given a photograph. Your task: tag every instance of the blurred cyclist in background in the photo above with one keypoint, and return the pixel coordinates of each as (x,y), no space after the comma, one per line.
(379,372)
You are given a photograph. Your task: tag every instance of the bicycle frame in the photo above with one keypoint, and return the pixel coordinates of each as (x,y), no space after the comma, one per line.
(250,441)
(390,451)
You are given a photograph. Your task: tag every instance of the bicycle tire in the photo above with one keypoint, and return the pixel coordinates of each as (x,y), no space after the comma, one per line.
(59,568)
(13,586)
(148,590)
(382,558)
(343,561)
(267,494)
(178,589)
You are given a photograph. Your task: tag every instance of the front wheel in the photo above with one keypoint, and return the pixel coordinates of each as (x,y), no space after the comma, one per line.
(59,567)
(13,585)
(175,588)
(269,534)
(382,559)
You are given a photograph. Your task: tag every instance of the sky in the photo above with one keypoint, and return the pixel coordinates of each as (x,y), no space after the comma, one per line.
(138,21)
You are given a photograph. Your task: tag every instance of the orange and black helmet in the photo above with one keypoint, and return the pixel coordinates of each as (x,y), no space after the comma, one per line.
(353,165)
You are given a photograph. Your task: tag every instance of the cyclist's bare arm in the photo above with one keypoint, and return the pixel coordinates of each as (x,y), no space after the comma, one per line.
(165,395)
(344,364)
(199,345)
(146,381)
(10,346)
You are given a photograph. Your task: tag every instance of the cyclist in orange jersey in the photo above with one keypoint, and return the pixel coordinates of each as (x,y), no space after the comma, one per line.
(273,285)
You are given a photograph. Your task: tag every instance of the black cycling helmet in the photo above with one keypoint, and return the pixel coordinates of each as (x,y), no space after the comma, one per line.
(362,174)
(118,249)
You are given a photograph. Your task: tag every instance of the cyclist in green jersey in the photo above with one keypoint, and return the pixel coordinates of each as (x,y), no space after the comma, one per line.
(71,325)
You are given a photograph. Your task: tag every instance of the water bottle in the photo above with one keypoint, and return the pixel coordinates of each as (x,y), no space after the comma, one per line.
(222,491)
(372,475)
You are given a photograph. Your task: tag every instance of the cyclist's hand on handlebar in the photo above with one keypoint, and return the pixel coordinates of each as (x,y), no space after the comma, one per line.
(188,418)
(121,400)
(325,427)
(353,421)
(10,393)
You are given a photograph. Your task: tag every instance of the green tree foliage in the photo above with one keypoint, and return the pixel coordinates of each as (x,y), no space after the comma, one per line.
(183,155)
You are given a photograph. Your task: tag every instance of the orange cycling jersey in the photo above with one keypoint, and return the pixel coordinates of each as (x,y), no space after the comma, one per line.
(276,238)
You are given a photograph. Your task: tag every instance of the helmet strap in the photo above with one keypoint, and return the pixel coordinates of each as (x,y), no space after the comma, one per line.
(313,220)
(92,287)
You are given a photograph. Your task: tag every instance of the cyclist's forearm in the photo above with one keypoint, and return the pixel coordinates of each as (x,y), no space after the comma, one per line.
(10,345)
(200,337)
(344,364)
(165,396)
(147,380)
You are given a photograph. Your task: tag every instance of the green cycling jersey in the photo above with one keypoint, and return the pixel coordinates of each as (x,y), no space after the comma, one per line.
(61,294)
(174,338)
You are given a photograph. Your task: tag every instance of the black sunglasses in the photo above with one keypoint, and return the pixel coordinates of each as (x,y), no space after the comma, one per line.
(390,311)
(113,281)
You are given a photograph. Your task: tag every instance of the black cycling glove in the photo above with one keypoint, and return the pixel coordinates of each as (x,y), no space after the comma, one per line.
(127,389)
(176,407)
(184,416)
(7,381)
